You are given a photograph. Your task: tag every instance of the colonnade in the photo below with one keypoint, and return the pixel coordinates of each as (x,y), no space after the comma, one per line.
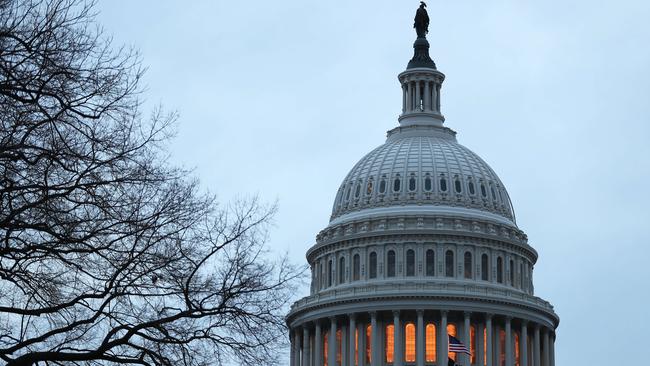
(420,96)
(421,339)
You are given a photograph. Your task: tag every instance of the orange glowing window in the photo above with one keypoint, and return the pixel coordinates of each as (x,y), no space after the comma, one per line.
(325,347)
(339,338)
(368,344)
(451,330)
(472,344)
(390,343)
(409,351)
(517,349)
(356,347)
(430,338)
(484,346)
(502,347)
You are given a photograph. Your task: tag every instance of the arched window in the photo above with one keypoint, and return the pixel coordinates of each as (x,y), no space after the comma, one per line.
(342,270)
(449,263)
(368,354)
(369,187)
(484,267)
(451,330)
(356,267)
(468,265)
(499,270)
(347,193)
(397,184)
(330,274)
(483,190)
(356,346)
(521,275)
(357,191)
(409,340)
(410,262)
(390,343)
(517,360)
(372,265)
(390,263)
(494,195)
(427,183)
(512,273)
(412,183)
(430,347)
(457,185)
(431,260)
(382,185)
(472,190)
(502,348)
(443,184)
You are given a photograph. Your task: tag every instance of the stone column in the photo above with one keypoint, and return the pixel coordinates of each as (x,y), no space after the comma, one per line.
(523,345)
(480,354)
(399,344)
(490,338)
(409,100)
(443,340)
(552,350)
(404,91)
(466,334)
(297,355)
(536,347)
(318,345)
(546,356)
(292,350)
(420,342)
(434,97)
(374,341)
(352,338)
(417,96)
(331,343)
(306,343)
(362,344)
(509,348)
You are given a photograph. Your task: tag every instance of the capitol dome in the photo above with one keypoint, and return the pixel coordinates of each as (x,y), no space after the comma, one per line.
(422,262)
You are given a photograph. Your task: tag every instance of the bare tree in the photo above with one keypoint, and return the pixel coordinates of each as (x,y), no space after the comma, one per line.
(108,254)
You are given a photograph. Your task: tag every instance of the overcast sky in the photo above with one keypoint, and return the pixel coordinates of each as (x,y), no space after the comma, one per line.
(282,98)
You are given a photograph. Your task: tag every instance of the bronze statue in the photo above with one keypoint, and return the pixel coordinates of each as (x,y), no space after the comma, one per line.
(421,21)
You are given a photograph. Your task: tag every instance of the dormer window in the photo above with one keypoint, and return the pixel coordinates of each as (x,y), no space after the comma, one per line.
(443,184)
(472,190)
(427,183)
(382,185)
(412,183)
(483,190)
(397,184)
(457,185)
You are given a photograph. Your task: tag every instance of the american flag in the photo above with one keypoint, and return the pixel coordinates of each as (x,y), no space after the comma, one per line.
(457,346)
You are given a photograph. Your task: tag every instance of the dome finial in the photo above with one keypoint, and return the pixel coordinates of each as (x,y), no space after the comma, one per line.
(421,56)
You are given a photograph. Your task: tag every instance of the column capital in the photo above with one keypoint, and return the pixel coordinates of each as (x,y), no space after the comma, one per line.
(508,318)
(524,322)
(444,312)
(467,314)
(419,311)
(373,314)
(332,319)
(396,313)
(352,316)
(489,316)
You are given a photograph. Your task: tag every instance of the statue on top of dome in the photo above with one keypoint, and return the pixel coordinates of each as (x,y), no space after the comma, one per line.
(421,24)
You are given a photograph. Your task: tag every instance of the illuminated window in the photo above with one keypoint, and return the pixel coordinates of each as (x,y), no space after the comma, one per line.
(517,362)
(499,270)
(339,339)
(468,265)
(372,272)
(368,344)
(430,338)
(431,260)
(410,262)
(502,348)
(390,263)
(472,344)
(451,330)
(390,343)
(409,338)
(484,346)
(449,263)
(356,267)
(342,270)
(325,347)
(484,267)
(356,346)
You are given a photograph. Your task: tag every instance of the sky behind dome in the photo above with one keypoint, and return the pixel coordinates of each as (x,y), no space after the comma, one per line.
(282,98)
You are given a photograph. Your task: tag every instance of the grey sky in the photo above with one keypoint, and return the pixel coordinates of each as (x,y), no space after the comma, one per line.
(282,98)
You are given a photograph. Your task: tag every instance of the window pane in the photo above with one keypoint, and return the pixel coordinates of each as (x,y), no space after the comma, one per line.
(356,267)
(484,267)
(430,338)
(443,184)
(325,347)
(451,330)
(397,185)
(410,262)
(368,344)
(382,186)
(472,344)
(449,264)
(427,184)
(342,270)
(512,273)
(339,339)
(471,188)
(458,186)
(499,270)
(409,350)
(390,343)
(430,258)
(390,271)
(373,265)
(468,265)
(412,184)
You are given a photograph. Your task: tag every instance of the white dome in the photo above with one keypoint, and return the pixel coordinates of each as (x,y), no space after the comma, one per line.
(422,168)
